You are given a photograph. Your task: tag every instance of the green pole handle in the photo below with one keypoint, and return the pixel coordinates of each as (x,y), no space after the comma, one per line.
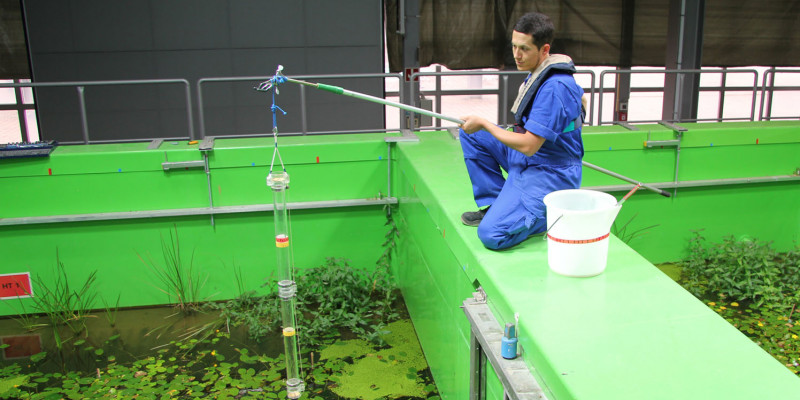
(330,88)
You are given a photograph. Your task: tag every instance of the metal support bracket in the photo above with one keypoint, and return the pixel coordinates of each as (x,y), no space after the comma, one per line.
(407,136)
(676,128)
(167,165)
(666,143)
(454,132)
(517,379)
(662,143)
(676,143)
(627,126)
(155,144)
(207,144)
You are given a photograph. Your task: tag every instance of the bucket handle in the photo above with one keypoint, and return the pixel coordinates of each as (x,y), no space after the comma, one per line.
(544,237)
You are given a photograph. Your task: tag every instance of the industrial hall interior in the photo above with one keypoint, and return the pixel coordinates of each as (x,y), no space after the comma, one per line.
(400,199)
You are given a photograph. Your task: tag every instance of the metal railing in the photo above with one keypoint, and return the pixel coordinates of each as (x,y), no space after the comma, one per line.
(408,95)
(753,90)
(303,112)
(81,86)
(768,90)
(21,107)
(502,90)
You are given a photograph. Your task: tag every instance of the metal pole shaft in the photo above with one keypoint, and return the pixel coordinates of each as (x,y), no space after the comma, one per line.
(403,106)
(373,99)
(625,178)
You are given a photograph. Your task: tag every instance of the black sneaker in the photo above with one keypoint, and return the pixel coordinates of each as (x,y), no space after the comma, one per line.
(473,218)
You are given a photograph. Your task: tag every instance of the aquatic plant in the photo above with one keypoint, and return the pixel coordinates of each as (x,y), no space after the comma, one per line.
(111,312)
(774,328)
(203,373)
(746,270)
(330,297)
(389,244)
(27,320)
(336,296)
(621,231)
(215,367)
(755,288)
(180,282)
(60,302)
(258,312)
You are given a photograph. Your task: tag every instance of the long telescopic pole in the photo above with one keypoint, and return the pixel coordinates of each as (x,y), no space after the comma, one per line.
(373,99)
(626,179)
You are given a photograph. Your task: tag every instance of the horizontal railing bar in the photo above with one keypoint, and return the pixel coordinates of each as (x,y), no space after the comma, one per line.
(702,183)
(334,76)
(182,212)
(93,83)
(282,134)
(111,141)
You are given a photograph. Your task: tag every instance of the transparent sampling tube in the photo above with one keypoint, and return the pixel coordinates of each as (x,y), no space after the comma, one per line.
(287,289)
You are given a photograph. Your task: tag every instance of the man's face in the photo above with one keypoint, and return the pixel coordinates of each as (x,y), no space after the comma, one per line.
(526,54)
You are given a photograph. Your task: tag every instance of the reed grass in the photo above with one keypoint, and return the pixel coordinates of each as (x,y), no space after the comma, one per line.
(179,280)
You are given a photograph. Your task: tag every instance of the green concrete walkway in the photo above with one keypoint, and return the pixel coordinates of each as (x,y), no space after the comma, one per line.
(629,333)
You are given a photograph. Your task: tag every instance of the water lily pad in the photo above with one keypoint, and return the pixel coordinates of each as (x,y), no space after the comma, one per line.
(9,383)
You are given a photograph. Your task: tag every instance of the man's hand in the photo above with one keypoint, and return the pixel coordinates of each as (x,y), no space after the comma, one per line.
(473,123)
(526,143)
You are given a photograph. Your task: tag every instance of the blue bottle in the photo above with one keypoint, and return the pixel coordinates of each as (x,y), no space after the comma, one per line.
(508,347)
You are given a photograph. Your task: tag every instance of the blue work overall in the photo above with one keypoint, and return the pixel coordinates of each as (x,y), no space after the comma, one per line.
(517,210)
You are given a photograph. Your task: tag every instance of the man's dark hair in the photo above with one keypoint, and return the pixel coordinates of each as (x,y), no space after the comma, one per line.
(537,25)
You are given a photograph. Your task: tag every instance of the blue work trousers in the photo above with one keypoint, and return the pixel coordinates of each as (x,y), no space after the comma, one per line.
(517,210)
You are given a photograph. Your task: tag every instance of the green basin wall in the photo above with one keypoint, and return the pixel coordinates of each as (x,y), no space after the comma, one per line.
(714,163)
(107,190)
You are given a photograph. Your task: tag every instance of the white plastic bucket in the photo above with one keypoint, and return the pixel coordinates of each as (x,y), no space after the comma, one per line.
(579,223)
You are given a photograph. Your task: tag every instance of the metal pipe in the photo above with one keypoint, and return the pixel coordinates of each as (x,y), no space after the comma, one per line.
(208,182)
(373,99)
(389,169)
(504,100)
(626,179)
(189,116)
(311,205)
(200,113)
(183,212)
(84,119)
(303,116)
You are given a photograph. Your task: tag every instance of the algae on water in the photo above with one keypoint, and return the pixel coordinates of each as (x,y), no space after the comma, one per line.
(387,373)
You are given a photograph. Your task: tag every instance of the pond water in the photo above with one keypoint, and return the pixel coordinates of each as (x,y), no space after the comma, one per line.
(149,350)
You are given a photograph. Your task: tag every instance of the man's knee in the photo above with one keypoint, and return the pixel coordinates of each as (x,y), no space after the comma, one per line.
(491,238)
(468,142)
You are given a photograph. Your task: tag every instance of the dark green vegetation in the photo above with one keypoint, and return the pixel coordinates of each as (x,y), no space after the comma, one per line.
(355,345)
(330,297)
(753,287)
(213,368)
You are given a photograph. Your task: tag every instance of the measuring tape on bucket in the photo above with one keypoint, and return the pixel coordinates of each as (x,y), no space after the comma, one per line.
(584,241)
